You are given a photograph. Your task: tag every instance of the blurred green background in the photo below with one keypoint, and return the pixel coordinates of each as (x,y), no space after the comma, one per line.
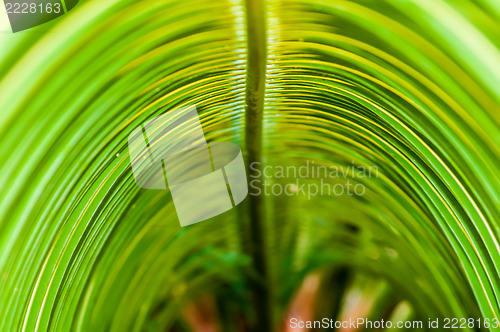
(409,87)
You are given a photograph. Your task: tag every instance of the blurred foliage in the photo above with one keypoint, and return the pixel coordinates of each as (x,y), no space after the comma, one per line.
(409,87)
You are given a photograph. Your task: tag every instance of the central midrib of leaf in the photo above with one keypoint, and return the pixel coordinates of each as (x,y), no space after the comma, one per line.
(254,109)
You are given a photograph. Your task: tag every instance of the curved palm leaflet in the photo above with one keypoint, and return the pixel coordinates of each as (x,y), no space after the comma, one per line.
(409,87)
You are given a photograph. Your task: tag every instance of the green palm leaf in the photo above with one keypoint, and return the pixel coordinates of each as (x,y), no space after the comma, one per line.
(408,88)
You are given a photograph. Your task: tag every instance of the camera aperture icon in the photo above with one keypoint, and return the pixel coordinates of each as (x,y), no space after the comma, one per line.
(204,179)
